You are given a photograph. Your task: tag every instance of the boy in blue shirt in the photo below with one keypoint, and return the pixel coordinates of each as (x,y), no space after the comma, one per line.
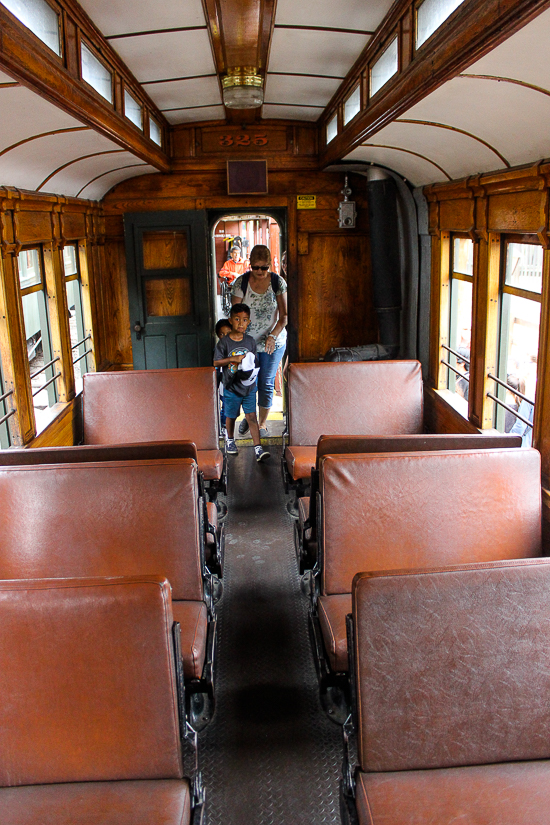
(236,353)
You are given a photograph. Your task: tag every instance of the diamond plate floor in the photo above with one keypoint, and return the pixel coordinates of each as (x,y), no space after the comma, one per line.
(269,755)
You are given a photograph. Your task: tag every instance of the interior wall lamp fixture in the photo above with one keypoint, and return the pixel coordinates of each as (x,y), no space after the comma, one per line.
(243,88)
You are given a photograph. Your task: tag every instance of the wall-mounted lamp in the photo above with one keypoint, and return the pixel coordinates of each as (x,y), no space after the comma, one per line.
(243,88)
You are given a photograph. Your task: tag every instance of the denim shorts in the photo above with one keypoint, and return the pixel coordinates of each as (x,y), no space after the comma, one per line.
(232,403)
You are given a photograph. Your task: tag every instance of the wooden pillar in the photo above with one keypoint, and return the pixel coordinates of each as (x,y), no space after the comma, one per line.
(541,422)
(88,304)
(485,331)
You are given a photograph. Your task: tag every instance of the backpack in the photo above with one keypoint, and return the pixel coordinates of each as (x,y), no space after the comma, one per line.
(246,278)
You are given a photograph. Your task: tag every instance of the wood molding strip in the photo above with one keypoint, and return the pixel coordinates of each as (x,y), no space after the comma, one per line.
(455,129)
(9,85)
(155,31)
(295,105)
(97,177)
(186,108)
(409,152)
(301,74)
(44,134)
(323,29)
(76,160)
(176,79)
(512,80)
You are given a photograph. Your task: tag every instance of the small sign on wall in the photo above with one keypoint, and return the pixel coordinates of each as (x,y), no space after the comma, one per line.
(306,201)
(247,177)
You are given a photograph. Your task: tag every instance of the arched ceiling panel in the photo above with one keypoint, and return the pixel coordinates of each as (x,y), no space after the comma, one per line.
(28,165)
(315,52)
(72,178)
(140,15)
(457,153)
(514,119)
(203,91)
(167,55)
(96,189)
(5,78)
(315,91)
(25,113)
(419,171)
(195,114)
(291,112)
(346,14)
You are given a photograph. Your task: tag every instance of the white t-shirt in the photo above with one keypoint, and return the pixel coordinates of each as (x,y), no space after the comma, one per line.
(264,311)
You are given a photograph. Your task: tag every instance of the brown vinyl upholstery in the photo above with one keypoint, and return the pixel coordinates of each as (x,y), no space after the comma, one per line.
(408,510)
(453,693)
(89,712)
(118,518)
(353,398)
(155,405)
(98,452)
(332,618)
(300,461)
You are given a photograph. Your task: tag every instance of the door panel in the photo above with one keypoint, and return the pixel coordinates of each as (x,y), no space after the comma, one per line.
(168,289)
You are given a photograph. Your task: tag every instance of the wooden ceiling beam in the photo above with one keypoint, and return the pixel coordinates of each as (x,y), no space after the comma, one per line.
(477,27)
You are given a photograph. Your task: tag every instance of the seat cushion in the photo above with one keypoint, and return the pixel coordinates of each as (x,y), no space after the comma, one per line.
(512,793)
(303,510)
(193,620)
(210,464)
(332,618)
(300,461)
(139,802)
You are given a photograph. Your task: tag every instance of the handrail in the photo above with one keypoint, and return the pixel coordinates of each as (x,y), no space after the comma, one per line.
(80,357)
(47,384)
(464,375)
(510,409)
(509,387)
(454,352)
(45,367)
(87,338)
(6,395)
(8,415)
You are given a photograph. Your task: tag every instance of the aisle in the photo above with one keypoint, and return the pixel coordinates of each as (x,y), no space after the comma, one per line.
(270,755)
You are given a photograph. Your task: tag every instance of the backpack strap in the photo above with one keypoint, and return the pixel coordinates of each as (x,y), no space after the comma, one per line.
(246,278)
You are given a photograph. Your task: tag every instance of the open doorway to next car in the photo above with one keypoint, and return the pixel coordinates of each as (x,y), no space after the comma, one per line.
(233,235)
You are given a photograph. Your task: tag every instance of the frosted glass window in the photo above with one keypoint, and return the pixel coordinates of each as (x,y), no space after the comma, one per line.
(384,68)
(155,132)
(430,15)
(69,261)
(352,106)
(332,128)
(40,18)
(133,110)
(28,264)
(96,74)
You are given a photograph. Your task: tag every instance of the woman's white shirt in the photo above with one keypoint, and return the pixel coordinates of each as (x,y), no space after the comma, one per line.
(264,311)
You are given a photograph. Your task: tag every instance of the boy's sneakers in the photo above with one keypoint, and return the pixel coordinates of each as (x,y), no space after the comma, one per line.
(231,447)
(243,427)
(261,454)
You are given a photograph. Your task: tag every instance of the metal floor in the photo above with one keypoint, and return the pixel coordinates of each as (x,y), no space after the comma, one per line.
(270,755)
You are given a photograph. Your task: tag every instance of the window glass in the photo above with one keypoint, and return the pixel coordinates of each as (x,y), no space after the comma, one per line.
(133,110)
(460,316)
(384,68)
(7,409)
(332,128)
(430,15)
(80,343)
(155,132)
(29,268)
(40,18)
(463,256)
(352,106)
(524,266)
(96,74)
(69,260)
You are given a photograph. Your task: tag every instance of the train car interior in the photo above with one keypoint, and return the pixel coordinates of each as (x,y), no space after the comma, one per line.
(328,604)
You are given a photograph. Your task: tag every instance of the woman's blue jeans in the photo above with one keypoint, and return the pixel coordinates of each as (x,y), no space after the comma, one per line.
(269,364)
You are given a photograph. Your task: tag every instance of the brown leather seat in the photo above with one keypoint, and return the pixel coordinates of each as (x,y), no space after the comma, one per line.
(368,397)
(155,405)
(101,519)
(384,512)
(89,716)
(453,689)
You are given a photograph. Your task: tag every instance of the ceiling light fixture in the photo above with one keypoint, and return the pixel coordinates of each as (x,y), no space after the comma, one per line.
(243,88)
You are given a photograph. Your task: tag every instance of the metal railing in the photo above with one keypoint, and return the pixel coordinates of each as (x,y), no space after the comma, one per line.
(11,412)
(45,367)
(463,375)
(85,353)
(507,406)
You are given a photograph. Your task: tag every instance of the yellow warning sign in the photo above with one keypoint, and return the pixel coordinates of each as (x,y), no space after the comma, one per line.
(307,201)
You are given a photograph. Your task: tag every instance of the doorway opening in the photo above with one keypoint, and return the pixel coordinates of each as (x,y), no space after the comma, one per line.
(245,229)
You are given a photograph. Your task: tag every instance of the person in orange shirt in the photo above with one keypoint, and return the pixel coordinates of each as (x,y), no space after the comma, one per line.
(234,266)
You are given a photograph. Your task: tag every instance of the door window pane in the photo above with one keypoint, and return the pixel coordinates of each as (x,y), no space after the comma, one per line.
(40,18)
(384,68)
(524,266)
(96,74)
(430,15)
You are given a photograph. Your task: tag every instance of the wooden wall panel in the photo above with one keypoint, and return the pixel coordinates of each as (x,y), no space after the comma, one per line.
(114,287)
(441,417)
(65,430)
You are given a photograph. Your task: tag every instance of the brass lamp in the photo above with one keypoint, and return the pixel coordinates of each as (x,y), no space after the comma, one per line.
(243,88)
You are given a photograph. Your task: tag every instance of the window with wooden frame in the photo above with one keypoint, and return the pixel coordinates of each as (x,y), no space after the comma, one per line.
(430,15)
(41,18)
(81,348)
(133,109)
(44,371)
(385,67)
(95,72)
(155,132)
(456,324)
(518,342)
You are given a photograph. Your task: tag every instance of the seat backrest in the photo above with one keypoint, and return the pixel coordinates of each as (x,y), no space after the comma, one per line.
(87,679)
(407,510)
(151,405)
(339,444)
(356,398)
(102,519)
(452,667)
(98,452)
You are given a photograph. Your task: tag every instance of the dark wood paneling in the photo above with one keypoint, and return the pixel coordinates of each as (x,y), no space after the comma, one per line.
(164,250)
(441,417)
(114,286)
(168,297)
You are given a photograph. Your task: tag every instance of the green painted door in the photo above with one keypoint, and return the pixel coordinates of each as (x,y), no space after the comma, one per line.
(168,289)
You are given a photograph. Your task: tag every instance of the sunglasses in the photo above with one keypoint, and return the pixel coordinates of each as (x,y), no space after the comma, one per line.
(263,268)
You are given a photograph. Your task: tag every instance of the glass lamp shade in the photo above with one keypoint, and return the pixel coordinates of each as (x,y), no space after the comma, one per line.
(242,89)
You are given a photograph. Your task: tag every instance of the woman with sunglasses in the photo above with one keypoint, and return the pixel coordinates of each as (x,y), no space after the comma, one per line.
(266,297)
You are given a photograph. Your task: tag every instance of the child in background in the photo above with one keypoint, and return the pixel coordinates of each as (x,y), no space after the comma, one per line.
(223,328)
(236,353)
